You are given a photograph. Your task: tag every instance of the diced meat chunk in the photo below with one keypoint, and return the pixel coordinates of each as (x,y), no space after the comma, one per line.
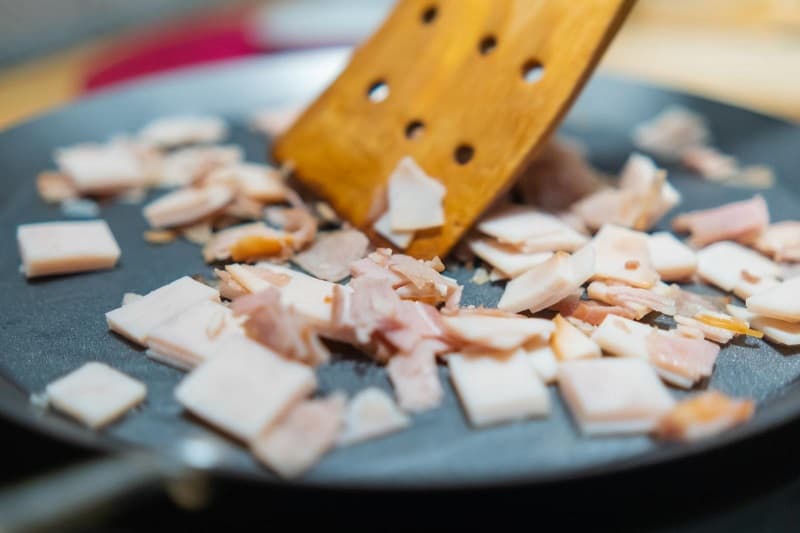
(622,337)
(186,206)
(262,183)
(190,165)
(708,331)
(531,230)
(679,360)
(137,319)
(501,333)
(710,162)
(401,239)
(55,187)
(244,388)
(781,302)
(640,301)
(778,331)
(169,132)
(246,242)
(673,260)
(781,241)
(671,132)
(543,360)
(623,255)
(48,248)
(495,389)
(613,396)
(415,199)
(102,168)
(96,394)
(193,335)
(740,221)
(309,296)
(371,414)
(549,282)
(415,377)
(722,263)
(569,342)
(330,256)
(505,258)
(302,436)
(703,416)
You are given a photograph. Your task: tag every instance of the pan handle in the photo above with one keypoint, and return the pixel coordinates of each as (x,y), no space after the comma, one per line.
(55,501)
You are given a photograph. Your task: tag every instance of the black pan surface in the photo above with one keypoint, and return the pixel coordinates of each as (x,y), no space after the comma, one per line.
(51,326)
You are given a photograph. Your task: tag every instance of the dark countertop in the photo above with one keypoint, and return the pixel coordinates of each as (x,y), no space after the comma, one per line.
(753,486)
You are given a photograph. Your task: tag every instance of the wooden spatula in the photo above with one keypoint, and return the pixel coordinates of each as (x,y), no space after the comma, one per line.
(469,88)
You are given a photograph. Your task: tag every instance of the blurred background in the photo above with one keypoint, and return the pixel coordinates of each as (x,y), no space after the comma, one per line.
(52,51)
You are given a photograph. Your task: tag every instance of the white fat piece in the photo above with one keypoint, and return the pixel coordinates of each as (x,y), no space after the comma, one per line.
(781,302)
(415,199)
(623,337)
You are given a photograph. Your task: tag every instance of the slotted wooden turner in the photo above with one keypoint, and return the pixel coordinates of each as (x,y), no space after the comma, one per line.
(469,88)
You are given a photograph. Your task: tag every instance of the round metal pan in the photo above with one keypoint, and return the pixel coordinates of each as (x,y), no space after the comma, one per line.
(51,326)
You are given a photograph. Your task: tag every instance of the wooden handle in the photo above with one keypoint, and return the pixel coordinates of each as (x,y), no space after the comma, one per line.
(469,88)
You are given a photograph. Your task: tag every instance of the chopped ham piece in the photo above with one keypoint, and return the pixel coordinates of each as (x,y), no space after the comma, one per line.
(679,360)
(415,377)
(186,206)
(401,239)
(781,302)
(262,183)
(613,396)
(243,239)
(424,282)
(508,260)
(416,321)
(280,328)
(297,221)
(48,248)
(750,284)
(594,313)
(673,260)
(376,265)
(543,360)
(96,394)
(302,436)
(102,168)
(309,296)
(781,240)
(622,337)
(559,176)
(373,306)
(549,282)
(568,342)
(245,389)
(415,199)
(371,414)
(276,121)
(703,416)
(199,233)
(137,319)
(531,230)
(498,388)
(622,255)
(722,263)
(779,331)
(169,132)
(741,221)
(671,132)
(190,165)
(710,162)
(330,256)
(193,335)
(640,301)
(55,187)
(712,333)
(473,329)
(608,206)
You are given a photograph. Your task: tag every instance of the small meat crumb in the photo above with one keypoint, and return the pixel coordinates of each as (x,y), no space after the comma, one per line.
(160,236)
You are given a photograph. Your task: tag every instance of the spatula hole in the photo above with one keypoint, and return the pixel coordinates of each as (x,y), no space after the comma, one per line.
(378,91)
(429,15)
(487,44)
(415,129)
(464,154)
(532,71)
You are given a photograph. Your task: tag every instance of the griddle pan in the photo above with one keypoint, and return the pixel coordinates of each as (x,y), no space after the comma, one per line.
(51,326)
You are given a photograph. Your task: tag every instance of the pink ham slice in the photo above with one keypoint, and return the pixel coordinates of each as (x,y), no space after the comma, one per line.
(505,258)
(531,230)
(741,221)
(679,360)
(95,394)
(185,206)
(48,248)
(330,256)
(371,414)
(302,436)
(671,132)
(781,240)
(417,321)
(261,183)
(703,416)
(102,168)
(186,166)
(245,388)
(297,221)
(673,260)
(633,298)
(781,301)
(415,377)
(622,255)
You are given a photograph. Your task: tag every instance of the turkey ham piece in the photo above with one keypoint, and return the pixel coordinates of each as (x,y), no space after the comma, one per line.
(252,345)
